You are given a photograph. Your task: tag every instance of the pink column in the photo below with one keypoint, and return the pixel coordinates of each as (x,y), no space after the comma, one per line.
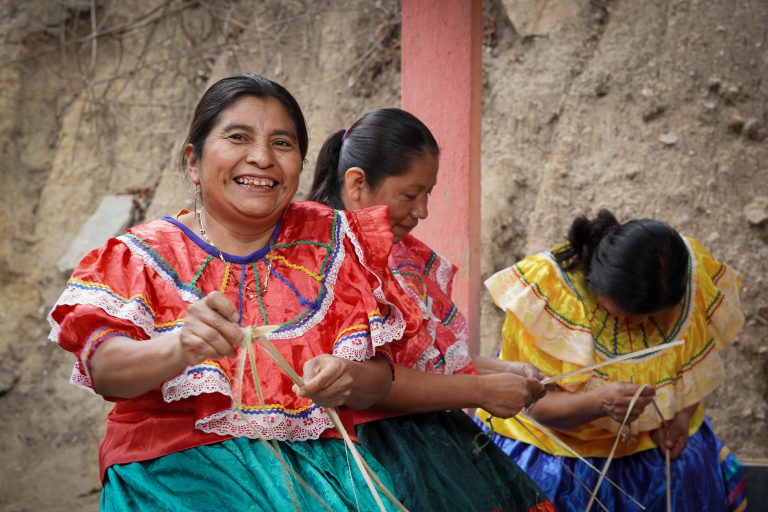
(442,85)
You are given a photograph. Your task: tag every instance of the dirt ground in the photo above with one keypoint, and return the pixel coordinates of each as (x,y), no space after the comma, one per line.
(651,109)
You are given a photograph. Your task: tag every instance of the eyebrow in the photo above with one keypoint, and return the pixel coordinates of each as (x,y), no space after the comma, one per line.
(249,129)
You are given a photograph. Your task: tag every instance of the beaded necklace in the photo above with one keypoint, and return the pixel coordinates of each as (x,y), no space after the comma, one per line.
(248,290)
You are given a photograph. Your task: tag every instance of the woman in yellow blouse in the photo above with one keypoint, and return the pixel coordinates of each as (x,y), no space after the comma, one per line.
(614,289)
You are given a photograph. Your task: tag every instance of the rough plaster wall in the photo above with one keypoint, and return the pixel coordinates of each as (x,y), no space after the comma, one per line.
(594,94)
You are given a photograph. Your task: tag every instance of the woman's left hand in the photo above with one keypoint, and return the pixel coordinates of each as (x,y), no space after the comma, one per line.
(525,370)
(673,434)
(327,381)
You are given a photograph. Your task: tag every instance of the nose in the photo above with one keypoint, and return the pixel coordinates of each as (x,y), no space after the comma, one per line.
(420,210)
(259,154)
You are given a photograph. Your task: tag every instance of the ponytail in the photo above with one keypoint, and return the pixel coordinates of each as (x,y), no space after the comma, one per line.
(583,239)
(383,143)
(641,265)
(326,186)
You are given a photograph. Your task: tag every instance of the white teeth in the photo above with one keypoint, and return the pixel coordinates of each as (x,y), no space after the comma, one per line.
(255,182)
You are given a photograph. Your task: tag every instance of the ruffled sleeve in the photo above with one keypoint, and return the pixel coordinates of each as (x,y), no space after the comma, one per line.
(545,318)
(719,286)
(391,315)
(108,295)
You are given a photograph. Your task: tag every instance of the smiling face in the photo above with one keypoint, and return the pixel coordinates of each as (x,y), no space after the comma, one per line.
(406,195)
(250,164)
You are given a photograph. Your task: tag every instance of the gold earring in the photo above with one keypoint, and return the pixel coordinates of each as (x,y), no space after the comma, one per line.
(197,193)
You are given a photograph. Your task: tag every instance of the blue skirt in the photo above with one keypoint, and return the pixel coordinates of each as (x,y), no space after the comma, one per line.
(241,474)
(705,478)
(442,461)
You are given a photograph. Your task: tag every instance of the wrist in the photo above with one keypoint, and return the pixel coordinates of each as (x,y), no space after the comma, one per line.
(478,386)
(597,406)
(173,352)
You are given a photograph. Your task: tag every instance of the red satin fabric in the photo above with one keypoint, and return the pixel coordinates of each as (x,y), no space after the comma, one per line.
(322,287)
(440,345)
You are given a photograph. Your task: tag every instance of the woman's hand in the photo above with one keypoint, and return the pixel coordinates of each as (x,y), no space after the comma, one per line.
(327,381)
(505,394)
(210,330)
(614,399)
(673,434)
(524,370)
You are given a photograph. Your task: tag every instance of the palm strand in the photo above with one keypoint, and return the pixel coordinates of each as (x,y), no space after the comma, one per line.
(631,355)
(613,449)
(365,470)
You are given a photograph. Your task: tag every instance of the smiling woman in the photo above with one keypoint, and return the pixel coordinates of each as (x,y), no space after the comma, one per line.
(156,318)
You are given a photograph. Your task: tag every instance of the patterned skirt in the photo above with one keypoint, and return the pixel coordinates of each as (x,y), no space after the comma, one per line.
(443,461)
(705,478)
(241,474)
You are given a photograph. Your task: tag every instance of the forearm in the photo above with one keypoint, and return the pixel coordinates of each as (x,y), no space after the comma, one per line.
(126,368)
(564,410)
(371,381)
(486,365)
(415,392)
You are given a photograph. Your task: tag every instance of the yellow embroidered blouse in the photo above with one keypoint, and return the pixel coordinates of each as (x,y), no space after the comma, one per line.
(554,323)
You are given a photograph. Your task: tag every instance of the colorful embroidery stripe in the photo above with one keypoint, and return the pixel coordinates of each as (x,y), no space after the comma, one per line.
(96,339)
(691,364)
(288,264)
(102,288)
(450,316)
(407,264)
(554,314)
(430,262)
(329,269)
(311,304)
(344,339)
(356,327)
(302,412)
(716,302)
(164,268)
(719,273)
(438,362)
(208,366)
(563,274)
(169,326)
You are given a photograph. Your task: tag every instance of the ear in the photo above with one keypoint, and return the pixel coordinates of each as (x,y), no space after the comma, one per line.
(354,188)
(192,164)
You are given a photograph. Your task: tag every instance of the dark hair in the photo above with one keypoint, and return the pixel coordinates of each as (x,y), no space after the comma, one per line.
(226,92)
(383,143)
(641,265)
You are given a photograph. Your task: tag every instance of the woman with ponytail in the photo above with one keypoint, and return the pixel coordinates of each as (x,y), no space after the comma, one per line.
(438,458)
(610,290)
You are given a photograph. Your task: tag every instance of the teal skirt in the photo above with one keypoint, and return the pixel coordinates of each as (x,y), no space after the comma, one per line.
(443,461)
(241,474)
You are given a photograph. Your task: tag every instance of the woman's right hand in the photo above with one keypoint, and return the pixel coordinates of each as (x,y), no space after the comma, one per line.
(505,394)
(614,399)
(210,330)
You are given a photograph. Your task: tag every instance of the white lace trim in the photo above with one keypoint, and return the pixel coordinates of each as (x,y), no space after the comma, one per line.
(103,299)
(443,273)
(354,348)
(196,380)
(393,329)
(457,357)
(271,423)
(80,378)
